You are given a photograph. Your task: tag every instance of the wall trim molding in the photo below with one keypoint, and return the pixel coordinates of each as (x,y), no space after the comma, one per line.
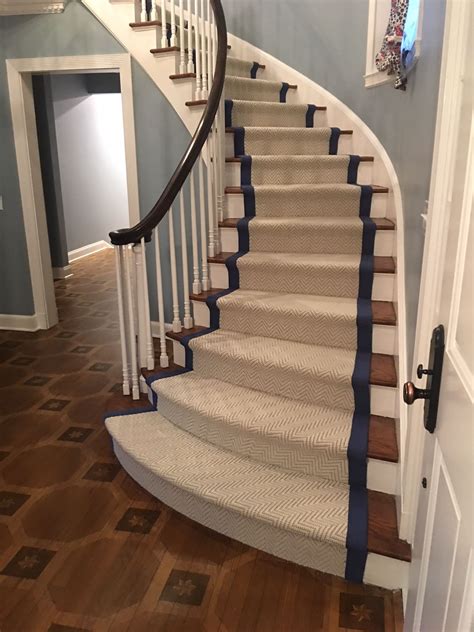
(62,272)
(18,322)
(27,7)
(19,72)
(86,251)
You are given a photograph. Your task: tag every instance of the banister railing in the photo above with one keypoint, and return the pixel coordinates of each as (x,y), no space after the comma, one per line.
(198,27)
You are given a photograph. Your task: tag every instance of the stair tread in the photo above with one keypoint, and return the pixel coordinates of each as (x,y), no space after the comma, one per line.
(382,265)
(273,104)
(287,420)
(286,500)
(298,157)
(300,356)
(383,312)
(380,222)
(262,82)
(286,130)
(237,190)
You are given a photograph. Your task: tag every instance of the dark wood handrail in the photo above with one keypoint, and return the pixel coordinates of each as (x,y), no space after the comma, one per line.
(144,228)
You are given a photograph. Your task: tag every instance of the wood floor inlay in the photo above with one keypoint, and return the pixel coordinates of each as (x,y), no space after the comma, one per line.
(83,548)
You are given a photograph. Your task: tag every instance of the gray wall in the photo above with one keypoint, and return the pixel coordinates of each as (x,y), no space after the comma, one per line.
(91,150)
(161,137)
(48,150)
(326,41)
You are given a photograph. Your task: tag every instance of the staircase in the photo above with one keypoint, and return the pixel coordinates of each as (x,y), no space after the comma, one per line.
(274,422)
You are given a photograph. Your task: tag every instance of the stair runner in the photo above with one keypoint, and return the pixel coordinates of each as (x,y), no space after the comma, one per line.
(263,435)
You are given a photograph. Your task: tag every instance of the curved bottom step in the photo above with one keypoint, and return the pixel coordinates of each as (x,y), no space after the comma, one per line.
(292,516)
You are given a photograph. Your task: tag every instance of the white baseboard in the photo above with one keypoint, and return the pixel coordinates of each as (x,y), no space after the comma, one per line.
(90,249)
(62,273)
(18,322)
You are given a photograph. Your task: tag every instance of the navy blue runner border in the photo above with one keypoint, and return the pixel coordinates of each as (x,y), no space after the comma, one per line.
(229,105)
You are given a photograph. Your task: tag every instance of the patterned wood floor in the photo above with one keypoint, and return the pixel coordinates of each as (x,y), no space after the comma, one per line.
(83,547)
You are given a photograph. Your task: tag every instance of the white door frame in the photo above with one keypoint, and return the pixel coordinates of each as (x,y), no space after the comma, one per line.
(455,42)
(19,72)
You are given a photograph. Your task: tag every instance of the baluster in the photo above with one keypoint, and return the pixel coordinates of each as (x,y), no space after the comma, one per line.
(210,200)
(197,38)
(143,12)
(190,37)
(187,320)
(221,164)
(139,296)
(203,54)
(164,27)
(150,355)
(196,281)
(131,324)
(174,276)
(123,333)
(206,283)
(164,360)
(154,10)
(182,46)
(173,40)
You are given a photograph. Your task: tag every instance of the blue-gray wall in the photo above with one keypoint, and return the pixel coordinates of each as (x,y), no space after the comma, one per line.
(326,41)
(161,137)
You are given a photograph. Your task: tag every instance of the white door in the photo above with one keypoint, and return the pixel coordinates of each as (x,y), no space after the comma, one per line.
(441,586)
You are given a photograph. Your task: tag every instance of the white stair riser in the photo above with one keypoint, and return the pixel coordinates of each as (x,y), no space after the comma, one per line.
(383,288)
(382,476)
(382,398)
(233,175)
(384,336)
(235,205)
(345,145)
(384,241)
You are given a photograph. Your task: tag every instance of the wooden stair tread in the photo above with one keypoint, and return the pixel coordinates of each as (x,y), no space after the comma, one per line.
(168,49)
(383,312)
(380,223)
(376,188)
(382,265)
(382,439)
(191,104)
(383,528)
(178,336)
(231,130)
(382,370)
(137,25)
(239,158)
(185,75)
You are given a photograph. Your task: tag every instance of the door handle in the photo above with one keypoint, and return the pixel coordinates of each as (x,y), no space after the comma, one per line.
(433,384)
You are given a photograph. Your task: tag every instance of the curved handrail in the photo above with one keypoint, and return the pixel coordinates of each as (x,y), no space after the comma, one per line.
(144,228)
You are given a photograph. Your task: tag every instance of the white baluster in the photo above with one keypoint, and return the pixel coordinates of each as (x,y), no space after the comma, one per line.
(174,276)
(131,324)
(150,354)
(143,12)
(139,296)
(206,283)
(190,37)
(196,280)
(215,185)
(210,200)
(164,34)
(187,320)
(197,25)
(209,45)
(203,54)
(173,40)
(153,10)
(182,46)
(164,360)
(123,333)
(221,164)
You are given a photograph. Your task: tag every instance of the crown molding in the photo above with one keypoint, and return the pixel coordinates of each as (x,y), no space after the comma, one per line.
(28,7)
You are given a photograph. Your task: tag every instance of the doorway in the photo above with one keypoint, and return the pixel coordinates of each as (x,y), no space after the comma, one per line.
(68,76)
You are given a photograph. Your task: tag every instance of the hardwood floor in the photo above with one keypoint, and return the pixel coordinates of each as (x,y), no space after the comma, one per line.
(83,547)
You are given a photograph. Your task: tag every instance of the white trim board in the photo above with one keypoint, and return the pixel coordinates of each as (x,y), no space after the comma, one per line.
(18,322)
(86,251)
(19,73)
(62,272)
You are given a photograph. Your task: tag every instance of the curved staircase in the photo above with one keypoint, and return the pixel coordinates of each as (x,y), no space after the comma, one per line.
(276,422)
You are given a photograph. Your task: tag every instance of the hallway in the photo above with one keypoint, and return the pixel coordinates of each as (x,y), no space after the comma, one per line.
(83,547)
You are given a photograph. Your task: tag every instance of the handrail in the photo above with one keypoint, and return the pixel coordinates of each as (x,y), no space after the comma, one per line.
(143,229)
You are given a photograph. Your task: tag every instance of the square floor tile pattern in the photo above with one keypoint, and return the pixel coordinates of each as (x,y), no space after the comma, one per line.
(28,563)
(361,612)
(76,434)
(185,587)
(103,472)
(137,520)
(10,502)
